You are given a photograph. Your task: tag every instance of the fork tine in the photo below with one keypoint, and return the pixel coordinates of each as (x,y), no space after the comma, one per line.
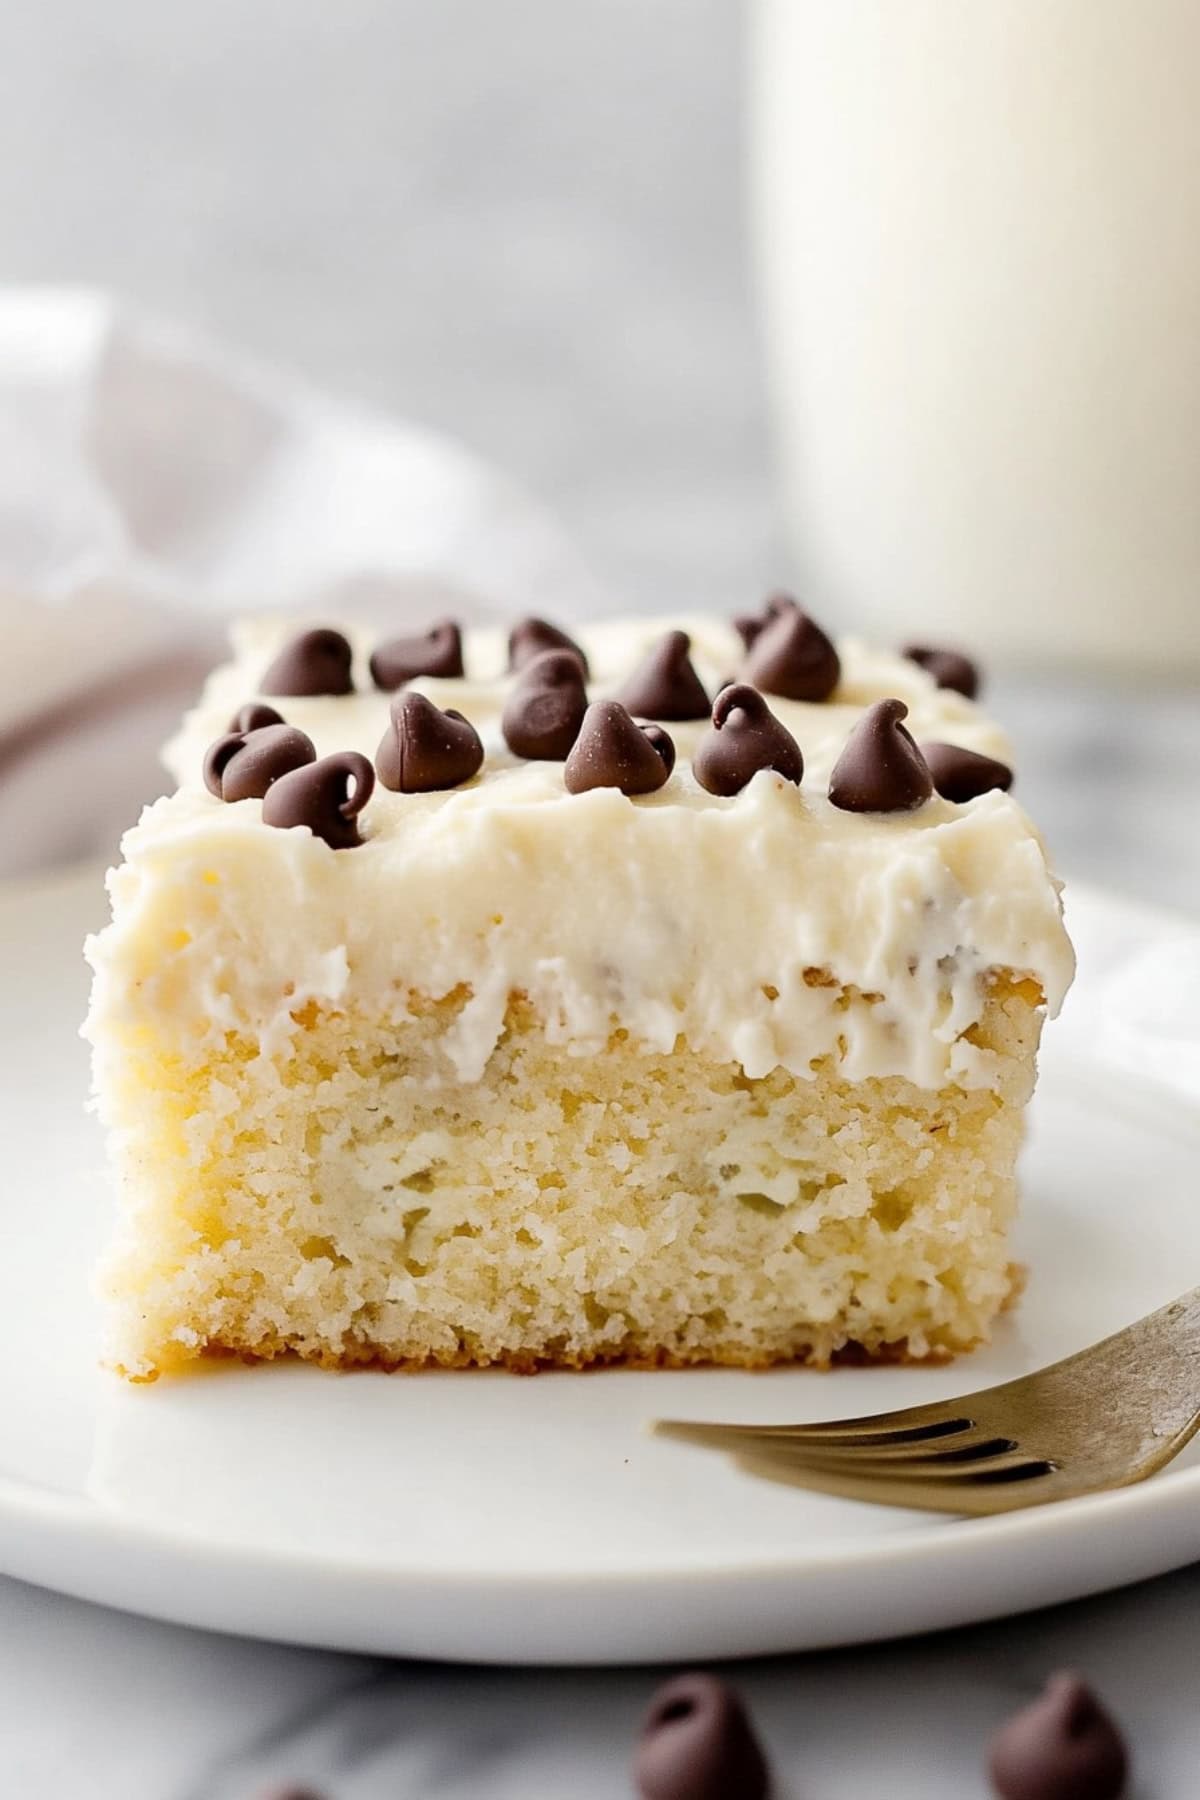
(864,1466)
(884,1428)
(980,1498)
(958,1453)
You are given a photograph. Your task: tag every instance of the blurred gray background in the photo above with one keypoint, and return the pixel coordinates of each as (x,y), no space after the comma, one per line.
(517,220)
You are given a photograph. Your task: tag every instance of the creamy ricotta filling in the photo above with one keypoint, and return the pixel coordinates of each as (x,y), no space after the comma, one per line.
(767,929)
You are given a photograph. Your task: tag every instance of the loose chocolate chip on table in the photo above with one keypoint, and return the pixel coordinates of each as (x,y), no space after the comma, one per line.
(316,662)
(530,637)
(792,657)
(1063,1747)
(614,751)
(750,625)
(327,796)
(696,1743)
(960,775)
(949,668)
(880,768)
(242,765)
(425,749)
(543,713)
(437,651)
(745,737)
(665,685)
(254,715)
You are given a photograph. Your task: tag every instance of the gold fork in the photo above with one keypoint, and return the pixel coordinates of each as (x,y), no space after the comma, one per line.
(1105,1418)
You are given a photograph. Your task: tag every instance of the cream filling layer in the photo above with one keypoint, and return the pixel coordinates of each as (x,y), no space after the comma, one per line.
(675,915)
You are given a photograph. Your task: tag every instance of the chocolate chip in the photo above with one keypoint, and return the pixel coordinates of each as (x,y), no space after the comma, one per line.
(696,1743)
(750,625)
(219,753)
(792,657)
(665,685)
(253,716)
(960,775)
(242,765)
(614,751)
(327,796)
(425,749)
(745,737)
(543,713)
(949,668)
(880,768)
(664,744)
(1063,1747)
(531,637)
(437,651)
(316,662)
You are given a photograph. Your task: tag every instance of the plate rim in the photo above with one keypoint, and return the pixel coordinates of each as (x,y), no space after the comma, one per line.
(107,1524)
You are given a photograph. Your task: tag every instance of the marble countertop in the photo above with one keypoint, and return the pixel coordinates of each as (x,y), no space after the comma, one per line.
(522,224)
(119,1709)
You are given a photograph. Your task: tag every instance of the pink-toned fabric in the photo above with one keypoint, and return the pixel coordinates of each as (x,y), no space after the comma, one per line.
(78,771)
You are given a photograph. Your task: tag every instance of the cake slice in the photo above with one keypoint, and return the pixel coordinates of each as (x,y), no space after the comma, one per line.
(510,1002)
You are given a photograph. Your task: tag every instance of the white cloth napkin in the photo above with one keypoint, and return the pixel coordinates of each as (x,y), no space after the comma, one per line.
(153,486)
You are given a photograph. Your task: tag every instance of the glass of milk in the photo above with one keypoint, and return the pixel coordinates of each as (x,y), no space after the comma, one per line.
(978,235)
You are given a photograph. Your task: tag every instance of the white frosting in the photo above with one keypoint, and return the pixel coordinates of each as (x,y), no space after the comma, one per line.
(675,914)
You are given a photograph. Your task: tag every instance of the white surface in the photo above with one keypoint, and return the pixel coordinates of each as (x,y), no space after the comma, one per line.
(489,1517)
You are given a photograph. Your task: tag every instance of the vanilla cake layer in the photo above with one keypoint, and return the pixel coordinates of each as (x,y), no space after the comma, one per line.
(347,1202)
(532,1076)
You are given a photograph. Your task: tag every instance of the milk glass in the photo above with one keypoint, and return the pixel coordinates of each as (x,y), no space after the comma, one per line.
(977,227)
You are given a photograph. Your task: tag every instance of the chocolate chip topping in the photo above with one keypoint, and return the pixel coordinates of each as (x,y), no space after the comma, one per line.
(219,754)
(327,796)
(749,626)
(614,751)
(791,656)
(425,749)
(543,713)
(949,668)
(437,651)
(1063,1747)
(880,768)
(745,737)
(665,685)
(696,1743)
(254,715)
(531,637)
(664,744)
(960,775)
(242,765)
(316,662)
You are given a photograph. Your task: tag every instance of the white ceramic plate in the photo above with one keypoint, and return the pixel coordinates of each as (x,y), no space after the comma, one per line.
(491,1517)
